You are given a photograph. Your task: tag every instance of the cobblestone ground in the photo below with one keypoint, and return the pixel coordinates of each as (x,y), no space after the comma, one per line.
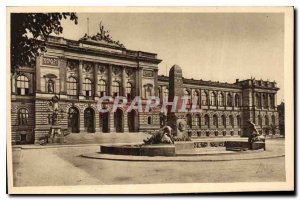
(64,166)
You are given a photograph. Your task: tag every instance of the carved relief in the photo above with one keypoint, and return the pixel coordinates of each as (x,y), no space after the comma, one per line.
(72,65)
(101,68)
(87,67)
(50,61)
(148,73)
(116,70)
(129,71)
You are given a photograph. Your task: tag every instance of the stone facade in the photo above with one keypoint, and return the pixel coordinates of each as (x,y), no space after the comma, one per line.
(80,72)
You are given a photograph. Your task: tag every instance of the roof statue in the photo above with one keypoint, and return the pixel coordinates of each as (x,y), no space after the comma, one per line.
(103,35)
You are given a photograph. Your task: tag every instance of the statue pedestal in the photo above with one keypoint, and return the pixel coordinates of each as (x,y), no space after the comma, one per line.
(56,136)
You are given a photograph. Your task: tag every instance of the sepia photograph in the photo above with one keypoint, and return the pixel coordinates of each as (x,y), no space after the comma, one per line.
(149,100)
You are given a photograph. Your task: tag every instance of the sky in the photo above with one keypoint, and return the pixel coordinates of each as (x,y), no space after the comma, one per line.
(209,46)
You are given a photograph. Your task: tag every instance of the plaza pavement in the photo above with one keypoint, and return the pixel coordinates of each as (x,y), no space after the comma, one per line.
(36,165)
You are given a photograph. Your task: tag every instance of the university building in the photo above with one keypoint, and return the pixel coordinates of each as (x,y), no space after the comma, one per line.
(80,72)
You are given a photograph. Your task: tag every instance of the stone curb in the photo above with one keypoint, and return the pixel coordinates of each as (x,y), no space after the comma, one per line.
(199,158)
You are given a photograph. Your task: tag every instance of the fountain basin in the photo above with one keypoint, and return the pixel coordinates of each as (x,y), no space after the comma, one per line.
(139,150)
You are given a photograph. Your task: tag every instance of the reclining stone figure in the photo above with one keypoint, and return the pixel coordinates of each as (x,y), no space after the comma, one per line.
(163,136)
(254,135)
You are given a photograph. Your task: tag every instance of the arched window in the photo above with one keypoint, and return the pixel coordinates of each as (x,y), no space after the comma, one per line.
(166,93)
(197,121)
(148,91)
(159,93)
(23,116)
(237,100)
(221,99)
(231,120)
(204,98)
(259,120)
(229,100)
(102,88)
(273,120)
(238,119)
(215,121)
(189,120)
(87,88)
(149,120)
(22,85)
(188,96)
(258,100)
(115,88)
(206,120)
(223,121)
(196,96)
(72,86)
(213,100)
(129,90)
(267,120)
(50,86)
(272,100)
(265,100)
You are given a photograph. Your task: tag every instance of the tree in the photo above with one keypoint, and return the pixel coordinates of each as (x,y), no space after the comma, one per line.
(29,33)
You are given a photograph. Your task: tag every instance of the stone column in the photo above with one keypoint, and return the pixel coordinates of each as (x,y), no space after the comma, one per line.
(80,77)
(140,81)
(96,80)
(63,76)
(38,75)
(156,82)
(123,86)
(109,80)
(137,86)
(125,115)
(261,101)
(112,128)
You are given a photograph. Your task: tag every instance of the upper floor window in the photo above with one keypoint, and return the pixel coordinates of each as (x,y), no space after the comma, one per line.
(87,87)
(237,100)
(187,96)
(23,116)
(166,93)
(265,100)
(196,96)
(116,88)
(102,88)
(258,100)
(204,98)
(147,91)
(221,99)
(72,86)
(22,85)
(213,100)
(272,100)
(129,90)
(229,100)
